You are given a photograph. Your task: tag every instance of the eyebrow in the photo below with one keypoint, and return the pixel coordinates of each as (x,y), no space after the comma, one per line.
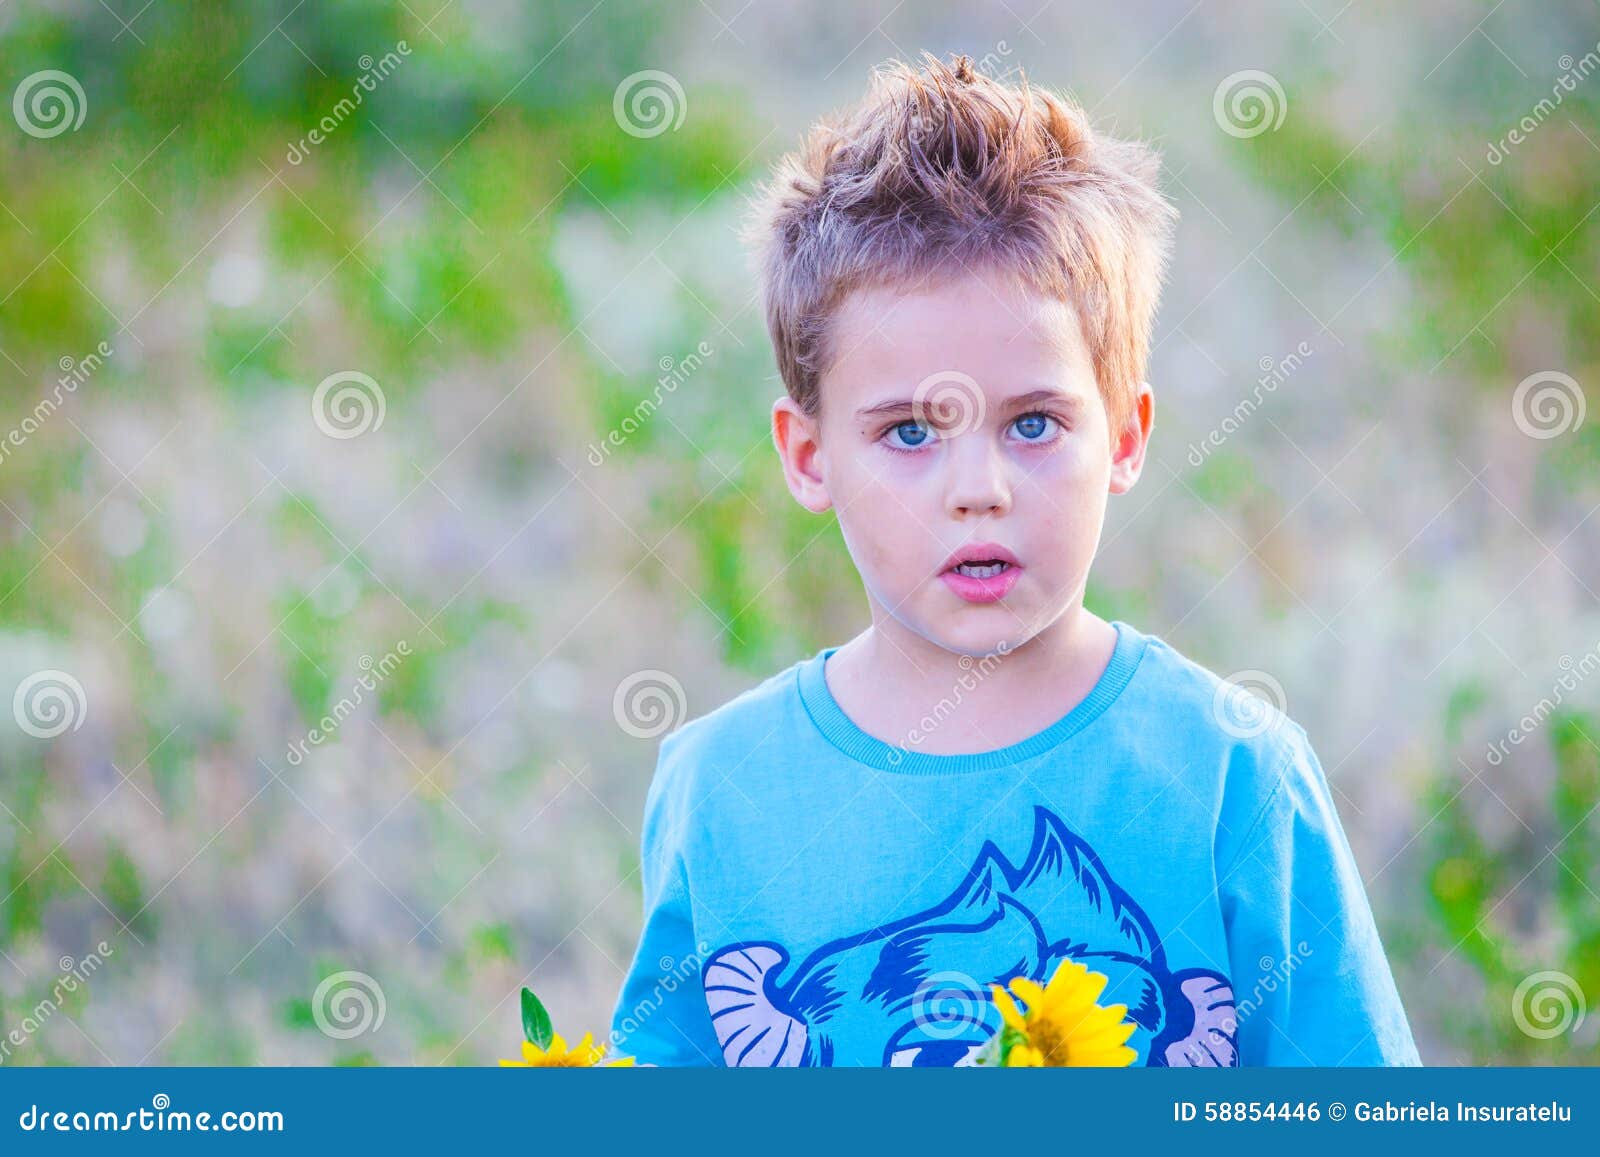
(1033,399)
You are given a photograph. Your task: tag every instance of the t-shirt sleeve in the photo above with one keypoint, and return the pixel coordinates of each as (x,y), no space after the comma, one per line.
(661,1016)
(1311,982)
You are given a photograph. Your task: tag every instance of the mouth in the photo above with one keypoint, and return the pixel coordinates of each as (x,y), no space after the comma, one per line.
(986,569)
(984,572)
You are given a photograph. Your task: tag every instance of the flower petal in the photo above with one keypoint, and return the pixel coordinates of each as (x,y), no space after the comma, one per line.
(1008,1009)
(1066,975)
(1025,1057)
(1030,992)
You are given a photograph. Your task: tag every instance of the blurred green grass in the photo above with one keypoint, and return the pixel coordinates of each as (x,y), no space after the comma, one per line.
(181,539)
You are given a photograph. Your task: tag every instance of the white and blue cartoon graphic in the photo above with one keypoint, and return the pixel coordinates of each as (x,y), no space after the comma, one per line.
(916,991)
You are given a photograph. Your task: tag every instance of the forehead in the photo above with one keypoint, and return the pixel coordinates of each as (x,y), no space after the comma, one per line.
(995,328)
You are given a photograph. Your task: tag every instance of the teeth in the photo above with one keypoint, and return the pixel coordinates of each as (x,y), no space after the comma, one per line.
(980,570)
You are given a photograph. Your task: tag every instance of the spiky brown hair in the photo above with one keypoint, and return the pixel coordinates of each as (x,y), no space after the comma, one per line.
(942,169)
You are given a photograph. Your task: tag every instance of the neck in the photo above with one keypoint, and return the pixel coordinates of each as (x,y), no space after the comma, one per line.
(889,680)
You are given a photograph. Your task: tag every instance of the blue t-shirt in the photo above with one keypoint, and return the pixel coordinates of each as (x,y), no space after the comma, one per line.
(814,895)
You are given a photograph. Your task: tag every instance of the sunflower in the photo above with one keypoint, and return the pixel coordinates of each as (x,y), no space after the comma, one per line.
(1063,1026)
(557,1056)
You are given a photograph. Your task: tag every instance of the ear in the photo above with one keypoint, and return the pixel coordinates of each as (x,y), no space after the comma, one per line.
(796,436)
(1127,455)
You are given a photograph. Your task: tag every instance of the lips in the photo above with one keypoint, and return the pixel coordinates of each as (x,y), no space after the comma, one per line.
(983,572)
(980,552)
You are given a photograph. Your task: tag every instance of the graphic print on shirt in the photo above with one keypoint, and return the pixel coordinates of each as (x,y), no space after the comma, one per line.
(888,995)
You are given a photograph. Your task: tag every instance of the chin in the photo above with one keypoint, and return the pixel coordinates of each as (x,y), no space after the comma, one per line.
(1001,634)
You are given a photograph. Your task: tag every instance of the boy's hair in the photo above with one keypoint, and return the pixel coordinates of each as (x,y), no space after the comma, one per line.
(943,169)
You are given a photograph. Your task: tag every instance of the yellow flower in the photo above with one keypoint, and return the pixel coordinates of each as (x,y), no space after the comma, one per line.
(558,1056)
(1063,1025)
(1024,1057)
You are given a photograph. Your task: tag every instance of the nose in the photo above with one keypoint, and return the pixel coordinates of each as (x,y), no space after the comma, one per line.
(976,483)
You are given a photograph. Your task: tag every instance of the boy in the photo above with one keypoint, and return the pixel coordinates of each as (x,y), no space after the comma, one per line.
(990,780)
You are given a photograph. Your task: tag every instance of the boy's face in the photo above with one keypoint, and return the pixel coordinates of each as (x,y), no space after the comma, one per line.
(963,415)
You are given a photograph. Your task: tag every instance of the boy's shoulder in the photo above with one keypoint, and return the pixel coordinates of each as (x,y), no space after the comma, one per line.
(723,736)
(1247,708)
(1238,723)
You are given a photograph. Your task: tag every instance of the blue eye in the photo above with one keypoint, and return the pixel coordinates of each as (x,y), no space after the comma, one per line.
(910,434)
(1034,427)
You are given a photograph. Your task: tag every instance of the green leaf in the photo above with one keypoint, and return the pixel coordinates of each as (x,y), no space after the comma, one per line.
(1009,1039)
(535,1020)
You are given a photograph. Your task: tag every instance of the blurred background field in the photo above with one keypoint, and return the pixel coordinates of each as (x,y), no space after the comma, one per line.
(1373,479)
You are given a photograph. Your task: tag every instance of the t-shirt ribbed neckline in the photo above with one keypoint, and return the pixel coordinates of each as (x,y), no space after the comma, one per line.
(843,733)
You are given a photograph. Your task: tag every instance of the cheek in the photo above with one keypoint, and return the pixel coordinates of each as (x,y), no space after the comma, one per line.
(875,484)
(1066,492)
(1076,470)
(879,517)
